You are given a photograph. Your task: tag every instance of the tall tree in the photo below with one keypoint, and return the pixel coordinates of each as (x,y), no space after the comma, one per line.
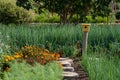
(67,8)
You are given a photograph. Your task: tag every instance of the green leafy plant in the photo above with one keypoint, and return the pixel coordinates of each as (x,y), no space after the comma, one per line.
(24,71)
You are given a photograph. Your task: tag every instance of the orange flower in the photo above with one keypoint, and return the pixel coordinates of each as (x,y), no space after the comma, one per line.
(17,56)
(40,55)
(57,56)
(52,55)
(11,58)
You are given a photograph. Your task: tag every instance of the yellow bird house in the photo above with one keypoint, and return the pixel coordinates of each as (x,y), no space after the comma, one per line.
(85,27)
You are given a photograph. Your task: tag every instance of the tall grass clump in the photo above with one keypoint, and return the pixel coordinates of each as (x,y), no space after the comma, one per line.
(102,67)
(60,38)
(24,71)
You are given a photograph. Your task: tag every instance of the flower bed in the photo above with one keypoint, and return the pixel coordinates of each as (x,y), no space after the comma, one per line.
(31,55)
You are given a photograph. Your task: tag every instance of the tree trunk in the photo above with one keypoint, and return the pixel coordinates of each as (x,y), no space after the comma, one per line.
(63,16)
(70,18)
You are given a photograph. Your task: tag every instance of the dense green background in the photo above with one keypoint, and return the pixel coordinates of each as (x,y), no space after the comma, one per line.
(60,38)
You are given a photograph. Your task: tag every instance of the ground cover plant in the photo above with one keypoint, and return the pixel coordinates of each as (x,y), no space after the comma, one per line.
(25,71)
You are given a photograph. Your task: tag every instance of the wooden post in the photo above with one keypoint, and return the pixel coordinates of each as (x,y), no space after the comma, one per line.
(84,44)
(85,29)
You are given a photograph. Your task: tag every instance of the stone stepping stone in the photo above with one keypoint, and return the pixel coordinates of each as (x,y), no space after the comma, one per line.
(68,71)
(62,59)
(70,75)
(71,69)
(66,59)
(65,63)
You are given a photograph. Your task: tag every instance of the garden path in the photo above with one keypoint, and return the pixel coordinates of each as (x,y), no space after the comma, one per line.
(72,69)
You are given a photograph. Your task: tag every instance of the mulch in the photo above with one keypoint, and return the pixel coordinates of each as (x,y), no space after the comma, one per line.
(79,69)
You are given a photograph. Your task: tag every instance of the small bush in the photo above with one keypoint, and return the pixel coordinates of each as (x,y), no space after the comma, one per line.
(10,13)
(48,17)
(89,19)
(100,19)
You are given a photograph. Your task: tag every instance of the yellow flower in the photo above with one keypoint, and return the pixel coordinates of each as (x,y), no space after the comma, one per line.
(17,56)
(5,60)
(7,57)
(11,58)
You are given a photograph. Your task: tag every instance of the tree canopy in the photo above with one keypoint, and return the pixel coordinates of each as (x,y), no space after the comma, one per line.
(67,8)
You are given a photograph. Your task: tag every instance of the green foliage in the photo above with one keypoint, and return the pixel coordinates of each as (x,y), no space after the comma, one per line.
(65,9)
(98,19)
(24,71)
(35,5)
(89,19)
(63,38)
(118,1)
(101,8)
(102,67)
(80,7)
(117,15)
(10,13)
(27,4)
(47,17)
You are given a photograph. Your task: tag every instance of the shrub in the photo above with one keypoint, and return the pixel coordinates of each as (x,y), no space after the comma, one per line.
(98,19)
(10,13)
(89,19)
(48,17)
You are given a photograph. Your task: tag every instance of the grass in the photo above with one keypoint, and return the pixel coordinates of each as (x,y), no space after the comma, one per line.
(59,38)
(102,67)
(56,38)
